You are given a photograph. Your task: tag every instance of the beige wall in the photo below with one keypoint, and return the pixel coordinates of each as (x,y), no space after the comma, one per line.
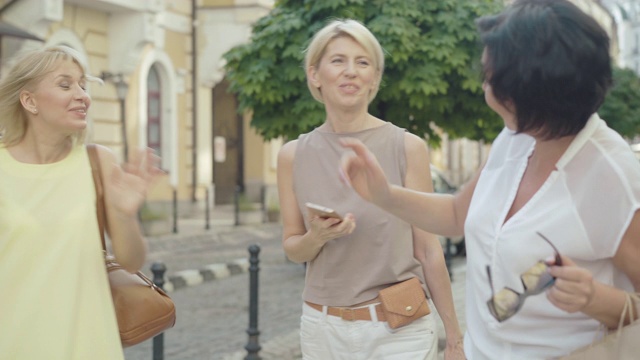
(92,28)
(216,3)
(156,29)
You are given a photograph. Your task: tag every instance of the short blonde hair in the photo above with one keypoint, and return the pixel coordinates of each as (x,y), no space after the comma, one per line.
(27,72)
(338,28)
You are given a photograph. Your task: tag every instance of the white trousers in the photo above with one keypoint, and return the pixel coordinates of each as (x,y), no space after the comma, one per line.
(326,337)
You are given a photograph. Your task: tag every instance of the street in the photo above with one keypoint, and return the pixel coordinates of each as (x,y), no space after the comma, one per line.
(212,317)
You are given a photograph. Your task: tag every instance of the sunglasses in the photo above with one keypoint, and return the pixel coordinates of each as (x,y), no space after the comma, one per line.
(507,302)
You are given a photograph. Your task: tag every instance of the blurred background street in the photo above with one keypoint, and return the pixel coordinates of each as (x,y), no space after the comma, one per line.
(212,317)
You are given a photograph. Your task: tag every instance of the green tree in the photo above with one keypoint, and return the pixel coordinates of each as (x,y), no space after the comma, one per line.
(432,72)
(621,108)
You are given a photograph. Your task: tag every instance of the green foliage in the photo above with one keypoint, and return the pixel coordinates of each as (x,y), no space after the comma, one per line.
(432,72)
(621,108)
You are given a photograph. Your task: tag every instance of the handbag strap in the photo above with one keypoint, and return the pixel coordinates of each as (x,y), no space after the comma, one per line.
(633,302)
(96,172)
(628,310)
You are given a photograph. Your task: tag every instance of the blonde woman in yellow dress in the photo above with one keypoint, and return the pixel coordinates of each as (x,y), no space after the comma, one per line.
(56,302)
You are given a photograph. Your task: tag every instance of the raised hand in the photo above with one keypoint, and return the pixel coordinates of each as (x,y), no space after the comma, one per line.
(129,184)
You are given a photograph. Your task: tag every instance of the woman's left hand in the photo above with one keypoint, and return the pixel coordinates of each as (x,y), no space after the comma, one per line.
(129,184)
(454,351)
(574,287)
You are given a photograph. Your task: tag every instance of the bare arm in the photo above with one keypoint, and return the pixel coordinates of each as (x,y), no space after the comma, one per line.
(301,245)
(125,191)
(428,251)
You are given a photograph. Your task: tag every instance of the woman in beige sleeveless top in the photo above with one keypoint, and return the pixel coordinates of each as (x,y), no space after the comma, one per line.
(349,260)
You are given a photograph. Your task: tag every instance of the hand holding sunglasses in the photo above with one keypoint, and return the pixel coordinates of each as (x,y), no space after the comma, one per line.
(507,302)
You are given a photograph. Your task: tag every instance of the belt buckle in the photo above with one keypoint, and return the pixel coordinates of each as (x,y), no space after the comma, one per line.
(348,314)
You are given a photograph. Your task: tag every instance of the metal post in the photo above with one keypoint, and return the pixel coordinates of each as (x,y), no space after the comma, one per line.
(175,211)
(194,99)
(236,207)
(158,269)
(123,119)
(206,210)
(253,346)
(263,202)
(122,88)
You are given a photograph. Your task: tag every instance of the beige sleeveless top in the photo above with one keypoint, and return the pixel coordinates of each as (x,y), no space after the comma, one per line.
(353,268)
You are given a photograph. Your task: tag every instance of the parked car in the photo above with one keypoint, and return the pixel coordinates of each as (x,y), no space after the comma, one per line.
(453,246)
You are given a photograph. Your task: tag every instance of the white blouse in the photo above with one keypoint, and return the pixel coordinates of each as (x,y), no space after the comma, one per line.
(583,208)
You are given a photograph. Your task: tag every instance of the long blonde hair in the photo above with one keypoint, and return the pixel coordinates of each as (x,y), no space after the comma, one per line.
(28,70)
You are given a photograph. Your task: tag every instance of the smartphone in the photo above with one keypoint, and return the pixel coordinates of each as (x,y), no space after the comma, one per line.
(322,211)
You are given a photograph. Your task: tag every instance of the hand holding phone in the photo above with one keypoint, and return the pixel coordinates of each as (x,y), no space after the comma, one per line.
(322,211)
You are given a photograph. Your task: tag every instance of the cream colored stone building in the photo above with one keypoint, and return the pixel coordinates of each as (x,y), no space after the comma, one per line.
(144,49)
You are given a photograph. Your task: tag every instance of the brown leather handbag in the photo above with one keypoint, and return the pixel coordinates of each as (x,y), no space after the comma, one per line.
(143,310)
(404,302)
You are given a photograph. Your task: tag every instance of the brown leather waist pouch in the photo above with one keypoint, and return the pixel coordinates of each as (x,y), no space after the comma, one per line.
(404,302)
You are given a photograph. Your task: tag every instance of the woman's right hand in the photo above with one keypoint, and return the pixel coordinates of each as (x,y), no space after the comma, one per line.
(325,229)
(360,170)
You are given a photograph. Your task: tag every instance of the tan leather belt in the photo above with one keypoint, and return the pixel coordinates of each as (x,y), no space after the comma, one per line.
(349,314)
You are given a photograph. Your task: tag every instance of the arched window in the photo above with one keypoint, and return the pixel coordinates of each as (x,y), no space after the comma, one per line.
(154,111)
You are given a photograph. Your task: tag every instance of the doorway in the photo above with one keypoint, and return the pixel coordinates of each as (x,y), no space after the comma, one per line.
(227,130)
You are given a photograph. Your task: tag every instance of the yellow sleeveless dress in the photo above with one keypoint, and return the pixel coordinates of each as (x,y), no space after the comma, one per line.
(55,301)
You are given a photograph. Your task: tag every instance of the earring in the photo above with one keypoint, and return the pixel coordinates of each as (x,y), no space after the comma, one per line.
(34,111)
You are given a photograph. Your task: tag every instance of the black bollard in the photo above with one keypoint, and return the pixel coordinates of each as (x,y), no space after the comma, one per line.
(206,212)
(175,211)
(253,346)
(158,269)
(236,206)
(263,202)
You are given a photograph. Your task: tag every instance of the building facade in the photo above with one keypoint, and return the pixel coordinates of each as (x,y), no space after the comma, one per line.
(626,14)
(164,87)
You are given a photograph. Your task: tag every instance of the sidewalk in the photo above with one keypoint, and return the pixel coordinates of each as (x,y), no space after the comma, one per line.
(207,276)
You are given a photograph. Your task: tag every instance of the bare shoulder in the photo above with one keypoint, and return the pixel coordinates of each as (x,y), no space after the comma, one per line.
(415,147)
(418,176)
(288,151)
